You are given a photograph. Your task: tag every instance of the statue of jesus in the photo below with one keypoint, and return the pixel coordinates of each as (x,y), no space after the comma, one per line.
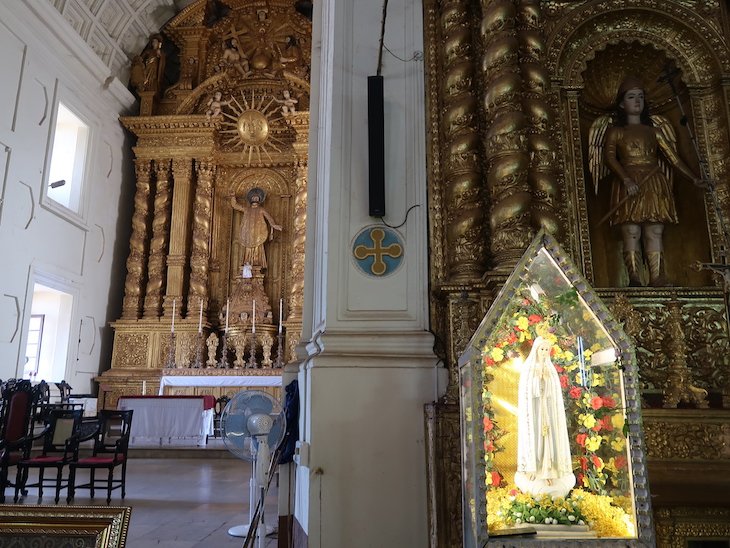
(543,448)
(257,226)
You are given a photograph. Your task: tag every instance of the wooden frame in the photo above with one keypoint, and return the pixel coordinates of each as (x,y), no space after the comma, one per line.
(92,526)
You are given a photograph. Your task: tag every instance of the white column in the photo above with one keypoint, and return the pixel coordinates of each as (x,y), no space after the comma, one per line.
(368,367)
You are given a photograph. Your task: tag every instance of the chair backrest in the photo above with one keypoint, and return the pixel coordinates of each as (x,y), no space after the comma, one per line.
(113,433)
(19,402)
(220,404)
(62,424)
(65,390)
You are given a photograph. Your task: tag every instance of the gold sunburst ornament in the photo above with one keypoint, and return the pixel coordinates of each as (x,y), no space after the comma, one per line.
(249,124)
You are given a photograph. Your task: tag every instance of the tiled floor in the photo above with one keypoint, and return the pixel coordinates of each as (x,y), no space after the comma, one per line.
(181,503)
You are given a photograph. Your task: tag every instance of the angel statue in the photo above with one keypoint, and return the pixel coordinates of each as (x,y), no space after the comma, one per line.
(639,151)
(544,465)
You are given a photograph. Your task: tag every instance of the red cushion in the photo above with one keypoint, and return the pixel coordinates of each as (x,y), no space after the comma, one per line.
(17,413)
(45,459)
(100,460)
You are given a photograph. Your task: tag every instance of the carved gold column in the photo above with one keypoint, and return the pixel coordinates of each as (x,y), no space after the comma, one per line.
(298,240)
(200,254)
(466,238)
(158,243)
(540,118)
(132,305)
(506,139)
(182,171)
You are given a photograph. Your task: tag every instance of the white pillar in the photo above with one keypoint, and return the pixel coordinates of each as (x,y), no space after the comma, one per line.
(368,368)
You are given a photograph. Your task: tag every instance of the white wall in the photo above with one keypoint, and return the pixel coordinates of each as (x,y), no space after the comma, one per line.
(369,366)
(41,60)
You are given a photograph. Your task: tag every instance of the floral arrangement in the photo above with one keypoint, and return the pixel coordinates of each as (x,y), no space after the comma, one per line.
(593,405)
(579,508)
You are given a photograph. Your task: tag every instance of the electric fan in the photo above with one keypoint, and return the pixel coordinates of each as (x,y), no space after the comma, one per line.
(253,425)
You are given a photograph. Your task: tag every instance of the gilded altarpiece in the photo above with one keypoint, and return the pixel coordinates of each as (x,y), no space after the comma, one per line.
(216,265)
(512,118)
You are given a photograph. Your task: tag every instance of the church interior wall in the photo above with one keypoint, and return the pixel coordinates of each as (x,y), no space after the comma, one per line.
(44,61)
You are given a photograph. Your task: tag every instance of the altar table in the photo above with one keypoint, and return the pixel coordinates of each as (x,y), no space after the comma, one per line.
(219,380)
(169,420)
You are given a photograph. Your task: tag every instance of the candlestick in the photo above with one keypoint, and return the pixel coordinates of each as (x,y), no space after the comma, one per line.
(172,326)
(281,313)
(200,318)
(253,320)
(228,303)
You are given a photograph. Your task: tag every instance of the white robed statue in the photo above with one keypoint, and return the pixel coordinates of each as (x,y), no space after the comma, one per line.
(543,448)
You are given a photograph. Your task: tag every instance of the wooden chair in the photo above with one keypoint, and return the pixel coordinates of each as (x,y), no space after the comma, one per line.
(60,447)
(111,443)
(19,401)
(220,405)
(64,390)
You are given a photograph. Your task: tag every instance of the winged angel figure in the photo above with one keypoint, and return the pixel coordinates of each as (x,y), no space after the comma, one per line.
(639,152)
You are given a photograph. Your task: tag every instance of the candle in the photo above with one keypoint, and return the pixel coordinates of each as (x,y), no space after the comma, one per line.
(228,302)
(281,313)
(144,387)
(200,318)
(172,326)
(253,320)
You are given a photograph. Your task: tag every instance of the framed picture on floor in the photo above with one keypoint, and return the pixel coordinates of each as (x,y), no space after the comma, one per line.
(24,526)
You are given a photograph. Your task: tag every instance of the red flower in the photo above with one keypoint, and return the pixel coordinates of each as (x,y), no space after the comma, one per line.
(596,402)
(620,462)
(583,463)
(606,424)
(580,480)
(598,426)
(534,318)
(597,462)
(609,402)
(559,369)
(575,392)
(563,381)
(489,361)
(512,339)
(488,446)
(513,492)
(496,479)
(525,302)
(488,424)
(581,439)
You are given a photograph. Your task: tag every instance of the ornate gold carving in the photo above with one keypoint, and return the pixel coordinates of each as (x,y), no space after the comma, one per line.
(679,385)
(253,127)
(137,243)
(158,243)
(685,440)
(675,526)
(130,350)
(200,253)
(298,242)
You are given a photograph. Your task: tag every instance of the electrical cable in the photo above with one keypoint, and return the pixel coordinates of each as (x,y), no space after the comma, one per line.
(417,55)
(382,37)
(382,220)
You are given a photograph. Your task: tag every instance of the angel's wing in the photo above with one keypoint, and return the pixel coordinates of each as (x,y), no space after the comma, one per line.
(667,131)
(596,141)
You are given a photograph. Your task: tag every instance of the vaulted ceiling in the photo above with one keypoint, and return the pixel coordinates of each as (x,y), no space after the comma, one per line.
(117,29)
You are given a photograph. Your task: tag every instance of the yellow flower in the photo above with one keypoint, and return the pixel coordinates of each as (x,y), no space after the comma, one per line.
(598,379)
(618,421)
(587,354)
(618,443)
(593,443)
(497,354)
(568,355)
(589,421)
(522,336)
(606,519)
(523,323)
(467,414)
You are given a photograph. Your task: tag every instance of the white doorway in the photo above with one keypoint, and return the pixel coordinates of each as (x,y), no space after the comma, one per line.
(49,331)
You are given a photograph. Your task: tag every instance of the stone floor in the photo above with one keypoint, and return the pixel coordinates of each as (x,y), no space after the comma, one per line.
(181,502)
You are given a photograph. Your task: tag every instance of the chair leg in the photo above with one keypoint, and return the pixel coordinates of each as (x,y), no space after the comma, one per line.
(3,483)
(71,484)
(41,473)
(109,486)
(58,483)
(124,478)
(91,481)
(19,483)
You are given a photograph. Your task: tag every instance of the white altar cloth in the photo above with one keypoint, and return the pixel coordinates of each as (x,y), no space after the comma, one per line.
(168,420)
(219,380)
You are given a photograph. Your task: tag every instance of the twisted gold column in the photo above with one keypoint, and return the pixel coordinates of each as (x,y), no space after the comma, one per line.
(299,234)
(466,239)
(506,143)
(540,118)
(158,243)
(200,254)
(132,304)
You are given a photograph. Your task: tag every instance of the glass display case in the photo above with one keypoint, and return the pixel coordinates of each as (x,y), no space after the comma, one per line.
(550,415)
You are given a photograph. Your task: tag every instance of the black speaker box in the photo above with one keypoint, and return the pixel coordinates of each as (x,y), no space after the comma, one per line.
(376,147)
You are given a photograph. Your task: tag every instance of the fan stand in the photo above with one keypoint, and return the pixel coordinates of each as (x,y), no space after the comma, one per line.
(264,528)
